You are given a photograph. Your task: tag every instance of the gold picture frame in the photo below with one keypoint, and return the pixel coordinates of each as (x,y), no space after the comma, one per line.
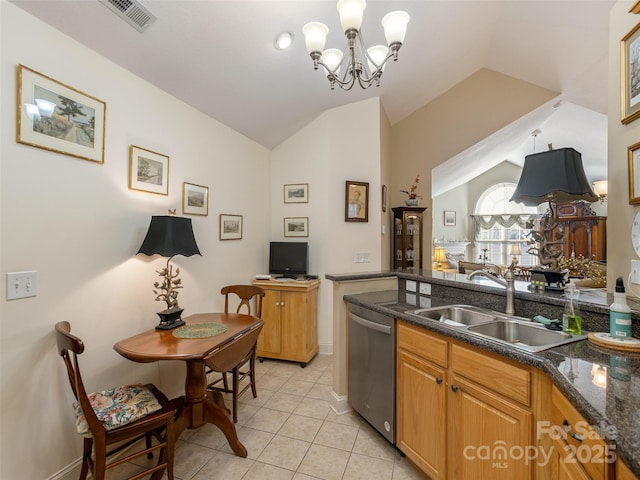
(296,193)
(59,118)
(634,174)
(296,226)
(630,75)
(148,171)
(195,199)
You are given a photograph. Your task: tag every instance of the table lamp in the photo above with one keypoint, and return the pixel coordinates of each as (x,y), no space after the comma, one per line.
(555,176)
(169,236)
(439,257)
(514,251)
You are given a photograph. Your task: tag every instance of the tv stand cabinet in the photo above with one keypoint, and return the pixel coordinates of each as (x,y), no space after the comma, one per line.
(290,315)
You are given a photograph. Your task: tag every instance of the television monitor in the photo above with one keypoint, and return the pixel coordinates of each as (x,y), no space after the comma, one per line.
(288,258)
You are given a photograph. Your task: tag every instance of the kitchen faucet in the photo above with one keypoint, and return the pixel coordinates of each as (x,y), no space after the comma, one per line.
(508,283)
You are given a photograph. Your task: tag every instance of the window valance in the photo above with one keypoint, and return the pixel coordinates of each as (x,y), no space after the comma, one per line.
(488,221)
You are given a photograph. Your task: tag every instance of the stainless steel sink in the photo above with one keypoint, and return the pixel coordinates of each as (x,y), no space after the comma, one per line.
(517,332)
(526,336)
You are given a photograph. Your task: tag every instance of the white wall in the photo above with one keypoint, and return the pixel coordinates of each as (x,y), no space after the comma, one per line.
(341,144)
(78,225)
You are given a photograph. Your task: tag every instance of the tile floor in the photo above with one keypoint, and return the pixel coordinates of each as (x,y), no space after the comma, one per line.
(291,433)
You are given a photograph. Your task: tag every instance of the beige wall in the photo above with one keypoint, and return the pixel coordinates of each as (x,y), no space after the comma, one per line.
(467,113)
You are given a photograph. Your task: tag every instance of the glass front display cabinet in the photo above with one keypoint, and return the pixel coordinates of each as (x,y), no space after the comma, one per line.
(407,237)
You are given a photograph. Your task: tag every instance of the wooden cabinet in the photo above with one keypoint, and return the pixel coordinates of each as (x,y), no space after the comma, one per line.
(582,232)
(460,410)
(407,237)
(289,312)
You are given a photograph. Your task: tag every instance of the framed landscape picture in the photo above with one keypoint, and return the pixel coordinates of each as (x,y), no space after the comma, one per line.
(296,193)
(630,75)
(195,199)
(296,227)
(148,171)
(230,227)
(59,118)
(449,218)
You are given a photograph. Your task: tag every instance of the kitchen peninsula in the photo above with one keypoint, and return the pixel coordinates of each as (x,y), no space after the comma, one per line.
(611,406)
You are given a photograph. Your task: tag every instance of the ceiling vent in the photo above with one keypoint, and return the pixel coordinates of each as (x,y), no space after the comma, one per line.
(131,12)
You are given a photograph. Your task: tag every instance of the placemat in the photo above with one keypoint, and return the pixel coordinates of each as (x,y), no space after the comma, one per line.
(200,330)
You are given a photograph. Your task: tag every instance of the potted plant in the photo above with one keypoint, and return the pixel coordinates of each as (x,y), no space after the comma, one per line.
(414,198)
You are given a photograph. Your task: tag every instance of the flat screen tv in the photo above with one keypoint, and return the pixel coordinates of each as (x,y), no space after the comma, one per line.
(288,258)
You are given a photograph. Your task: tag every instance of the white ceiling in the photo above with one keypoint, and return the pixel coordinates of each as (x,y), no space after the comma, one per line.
(219,57)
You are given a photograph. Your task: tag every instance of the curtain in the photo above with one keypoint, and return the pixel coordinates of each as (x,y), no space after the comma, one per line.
(488,221)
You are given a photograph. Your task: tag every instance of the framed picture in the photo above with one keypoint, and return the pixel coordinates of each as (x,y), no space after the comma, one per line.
(449,218)
(634,174)
(230,227)
(296,227)
(296,193)
(356,205)
(384,198)
(630,75)
(148,171)
(56,117)
(195,199)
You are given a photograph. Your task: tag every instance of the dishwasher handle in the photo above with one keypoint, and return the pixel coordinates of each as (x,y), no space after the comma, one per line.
(369,324)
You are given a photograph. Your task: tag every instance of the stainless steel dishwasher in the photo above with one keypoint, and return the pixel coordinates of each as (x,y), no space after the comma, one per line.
(372,368)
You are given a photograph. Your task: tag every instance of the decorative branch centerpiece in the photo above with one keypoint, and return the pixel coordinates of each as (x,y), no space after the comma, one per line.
(414,198)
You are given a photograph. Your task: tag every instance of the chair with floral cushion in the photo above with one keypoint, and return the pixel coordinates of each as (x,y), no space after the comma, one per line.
(114,419)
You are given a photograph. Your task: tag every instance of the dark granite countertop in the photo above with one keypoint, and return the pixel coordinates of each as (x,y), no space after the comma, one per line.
(613,409)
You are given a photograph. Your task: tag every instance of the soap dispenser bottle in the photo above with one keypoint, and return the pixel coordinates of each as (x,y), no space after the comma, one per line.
(620,313)
(571,318)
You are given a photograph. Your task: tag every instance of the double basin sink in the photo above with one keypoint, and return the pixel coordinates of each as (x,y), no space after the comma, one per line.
(518,332)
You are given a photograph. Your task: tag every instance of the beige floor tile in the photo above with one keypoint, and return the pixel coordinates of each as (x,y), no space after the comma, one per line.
(284,369)
(321,361)
(284,452)
(189,459)
(301,427)
(326,378)
(264,471)
(320,392)
(269,382)
(324,462)
(268,420)
(253,440)
(296,387)
(263,396)
(284,402)
(310,407)
(223,466)
(349,418)
(302,476)
(336,435)
(370,443)
(307,374)
(403,469)
(208,436)
(245,412)
(361,467)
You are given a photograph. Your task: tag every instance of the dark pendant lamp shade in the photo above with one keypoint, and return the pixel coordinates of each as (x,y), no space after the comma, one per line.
(553,176)
(169,236)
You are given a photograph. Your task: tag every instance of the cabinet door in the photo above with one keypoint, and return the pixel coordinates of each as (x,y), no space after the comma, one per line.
(421,413)
(294,324)
(486,434)
(269,340)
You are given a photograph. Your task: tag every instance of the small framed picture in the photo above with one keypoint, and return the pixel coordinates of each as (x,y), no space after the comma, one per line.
(296,193)
(296,227)
(195,199)
(384,198)
(630,75)
(148,171)
(449,218)
(634,174)
(230,227)
(56,117)
(356,208)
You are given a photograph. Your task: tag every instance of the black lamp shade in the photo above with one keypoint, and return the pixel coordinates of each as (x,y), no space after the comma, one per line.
(554,176)
(169,236)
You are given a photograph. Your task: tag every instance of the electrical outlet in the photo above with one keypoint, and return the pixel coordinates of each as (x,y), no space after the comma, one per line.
(21,285)
(635,272)
(362,258)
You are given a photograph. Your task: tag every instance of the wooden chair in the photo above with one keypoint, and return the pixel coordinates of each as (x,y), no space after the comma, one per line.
(245,293)
(142,412)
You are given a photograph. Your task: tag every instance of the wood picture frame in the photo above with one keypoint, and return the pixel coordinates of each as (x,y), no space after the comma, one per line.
(148,171)
(356,201)
(630,76)
(59,118)
(384,198)
(634,173)
(230,227)
(195,199)
(296,193)
(296,226)
(449,218)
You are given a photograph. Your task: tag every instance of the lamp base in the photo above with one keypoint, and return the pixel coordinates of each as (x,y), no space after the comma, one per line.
(553,278)
(170,319)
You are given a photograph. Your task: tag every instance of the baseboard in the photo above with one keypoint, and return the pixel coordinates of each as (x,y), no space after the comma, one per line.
(339,404)
(70,472)
(325,348)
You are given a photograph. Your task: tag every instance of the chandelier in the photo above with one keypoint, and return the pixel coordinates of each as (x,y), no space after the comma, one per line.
(364,65)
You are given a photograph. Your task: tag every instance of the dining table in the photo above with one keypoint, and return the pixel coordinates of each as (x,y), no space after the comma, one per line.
(203,335)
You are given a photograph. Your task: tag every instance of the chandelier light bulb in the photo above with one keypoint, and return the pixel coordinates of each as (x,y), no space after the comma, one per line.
(331,58)
(351,12)
(315,36)
(377,53)
(395,26)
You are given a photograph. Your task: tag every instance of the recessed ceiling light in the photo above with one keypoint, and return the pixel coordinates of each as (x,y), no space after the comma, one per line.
(284,40)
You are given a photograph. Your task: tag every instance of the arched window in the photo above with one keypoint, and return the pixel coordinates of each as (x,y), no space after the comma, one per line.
(499,224)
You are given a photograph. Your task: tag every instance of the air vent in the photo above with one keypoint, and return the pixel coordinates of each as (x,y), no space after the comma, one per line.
(131,12)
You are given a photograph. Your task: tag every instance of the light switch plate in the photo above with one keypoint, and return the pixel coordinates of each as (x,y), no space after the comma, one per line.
(21,285)
(635,272)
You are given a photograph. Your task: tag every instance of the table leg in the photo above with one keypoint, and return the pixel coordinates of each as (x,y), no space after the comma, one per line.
(219,416)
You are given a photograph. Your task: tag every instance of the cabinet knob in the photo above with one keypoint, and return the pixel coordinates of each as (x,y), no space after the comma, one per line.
(282,304)
(438,380)
(454,388)
(565,427)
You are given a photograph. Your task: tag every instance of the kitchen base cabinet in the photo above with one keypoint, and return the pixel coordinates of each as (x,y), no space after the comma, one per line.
(290,316)
(460,411)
